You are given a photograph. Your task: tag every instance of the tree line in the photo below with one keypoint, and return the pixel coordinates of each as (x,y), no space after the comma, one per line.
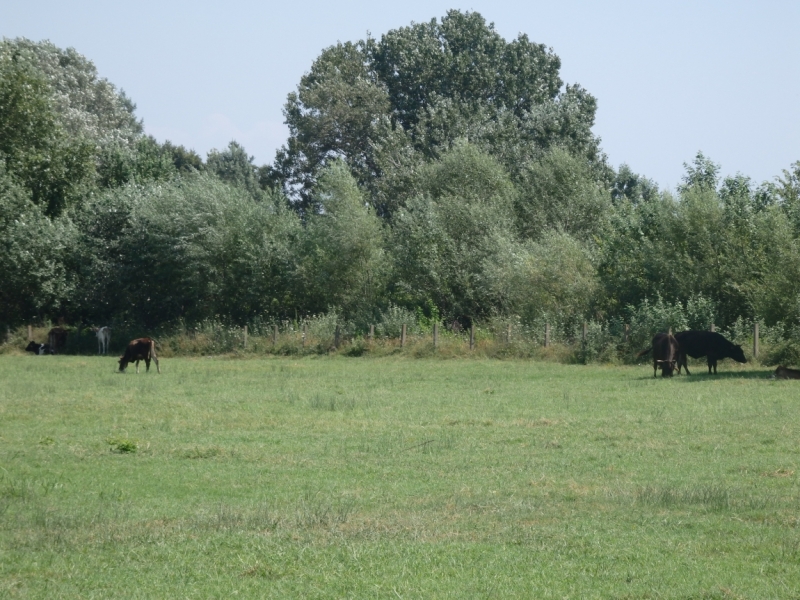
(439,169)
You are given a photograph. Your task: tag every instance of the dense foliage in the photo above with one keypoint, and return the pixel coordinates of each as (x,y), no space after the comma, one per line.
(439,170)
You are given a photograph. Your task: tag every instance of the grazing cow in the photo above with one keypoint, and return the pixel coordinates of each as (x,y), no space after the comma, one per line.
(139,349)
(786,373)
(57,338)
(103,338)
(40,349)
(710,344)
(665,353)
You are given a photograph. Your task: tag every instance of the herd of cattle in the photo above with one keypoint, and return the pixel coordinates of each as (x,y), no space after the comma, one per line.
(137,350)
(669,350)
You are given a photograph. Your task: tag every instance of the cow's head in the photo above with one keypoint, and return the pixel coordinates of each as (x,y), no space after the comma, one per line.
(32,347)
(667,367)
(737,353)
(123,362)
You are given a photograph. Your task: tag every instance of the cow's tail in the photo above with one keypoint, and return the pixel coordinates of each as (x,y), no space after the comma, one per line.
(643,352)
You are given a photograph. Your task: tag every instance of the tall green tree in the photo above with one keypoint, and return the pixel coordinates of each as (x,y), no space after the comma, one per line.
(234,166)
(34,146)
(344,265)
(33,252)
(463,58)
(446,235)
(417,91)
(196,248)
(332,116)
(561,192)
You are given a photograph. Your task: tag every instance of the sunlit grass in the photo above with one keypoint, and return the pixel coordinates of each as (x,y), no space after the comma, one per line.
(331,477)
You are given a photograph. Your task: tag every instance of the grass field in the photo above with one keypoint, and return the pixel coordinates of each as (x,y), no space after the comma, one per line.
(395,478)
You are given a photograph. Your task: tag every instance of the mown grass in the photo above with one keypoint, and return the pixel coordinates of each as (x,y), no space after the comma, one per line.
(395,477)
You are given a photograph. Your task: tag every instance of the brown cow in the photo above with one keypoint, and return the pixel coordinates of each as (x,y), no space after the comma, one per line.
(665,353)
(786,373)
(57,338)
(139,349)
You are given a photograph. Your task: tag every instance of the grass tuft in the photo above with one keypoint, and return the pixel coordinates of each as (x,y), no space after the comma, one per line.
(122,445)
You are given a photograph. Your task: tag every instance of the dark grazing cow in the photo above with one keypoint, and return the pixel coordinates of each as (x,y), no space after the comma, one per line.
(710,344)
(665,353)
(57,338)
(786,373)
(139,349)
(40,349)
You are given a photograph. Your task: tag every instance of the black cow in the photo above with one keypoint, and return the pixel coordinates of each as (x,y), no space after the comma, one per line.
(710,344)
(40,349)
(786,373)
(139,349)
(665,350)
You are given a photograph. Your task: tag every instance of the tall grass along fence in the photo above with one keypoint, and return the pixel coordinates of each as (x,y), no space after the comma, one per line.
(612,341)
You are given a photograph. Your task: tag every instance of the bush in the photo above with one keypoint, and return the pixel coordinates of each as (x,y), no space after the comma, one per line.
(393,319)
(786,353)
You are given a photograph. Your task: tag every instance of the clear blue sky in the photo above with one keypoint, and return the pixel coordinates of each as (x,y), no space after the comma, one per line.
(671,78)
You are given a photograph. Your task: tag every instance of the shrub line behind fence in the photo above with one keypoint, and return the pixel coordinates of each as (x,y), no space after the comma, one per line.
(591,340)
(337,339)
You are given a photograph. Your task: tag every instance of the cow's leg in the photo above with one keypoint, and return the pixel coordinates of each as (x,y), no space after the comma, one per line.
(158,369)
(137,366)
(147,363)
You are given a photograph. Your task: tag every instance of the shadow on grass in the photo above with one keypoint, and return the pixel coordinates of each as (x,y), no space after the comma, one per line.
(699,376)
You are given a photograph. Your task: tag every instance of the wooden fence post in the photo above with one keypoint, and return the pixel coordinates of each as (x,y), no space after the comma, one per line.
(305,328)
(30,333)
(508,333)
(371,332)
(336,335)
(274,335)
(755,340)
(435,334)
(585,332)
(472,336)
(712,328)
(245,337)
(403,335)
(546,335)
(627,333)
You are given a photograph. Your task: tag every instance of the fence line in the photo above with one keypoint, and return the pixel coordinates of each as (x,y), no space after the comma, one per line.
(508,336)
(547,341)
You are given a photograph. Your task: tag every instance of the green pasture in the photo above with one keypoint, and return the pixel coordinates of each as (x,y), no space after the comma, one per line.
(395,478)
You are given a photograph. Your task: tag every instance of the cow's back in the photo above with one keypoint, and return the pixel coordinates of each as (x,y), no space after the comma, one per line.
(139,349)
(699,343)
